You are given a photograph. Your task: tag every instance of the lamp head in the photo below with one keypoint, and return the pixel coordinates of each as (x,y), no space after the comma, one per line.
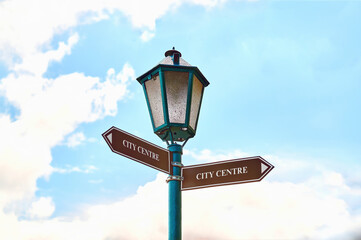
(173,90)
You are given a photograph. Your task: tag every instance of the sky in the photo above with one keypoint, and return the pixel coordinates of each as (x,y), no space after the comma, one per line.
(284,84)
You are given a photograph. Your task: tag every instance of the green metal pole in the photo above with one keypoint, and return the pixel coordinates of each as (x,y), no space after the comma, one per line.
(175,196)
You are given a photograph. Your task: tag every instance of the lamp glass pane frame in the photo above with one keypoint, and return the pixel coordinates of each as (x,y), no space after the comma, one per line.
(195,103)
(192,72)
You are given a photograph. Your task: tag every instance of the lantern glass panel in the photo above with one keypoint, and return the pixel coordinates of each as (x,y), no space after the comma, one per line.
(197,89)
(154,94)
(176,85)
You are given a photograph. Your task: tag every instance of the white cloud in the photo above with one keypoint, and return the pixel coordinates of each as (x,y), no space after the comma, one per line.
(22,160)
(75,139)
(52,106)
(265,210)
(146,36)
(276,210)
(207,3)
(119,220)
(69,169)
(49,111)
(29,26)
(37,62)
(42,208)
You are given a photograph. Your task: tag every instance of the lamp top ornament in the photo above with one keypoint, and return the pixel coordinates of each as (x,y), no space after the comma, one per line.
(174,90)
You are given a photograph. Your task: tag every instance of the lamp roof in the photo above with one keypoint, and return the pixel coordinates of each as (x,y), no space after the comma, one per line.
(169,61)
(173,59)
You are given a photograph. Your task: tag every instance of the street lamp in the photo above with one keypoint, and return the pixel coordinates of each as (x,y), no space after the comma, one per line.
(173,90)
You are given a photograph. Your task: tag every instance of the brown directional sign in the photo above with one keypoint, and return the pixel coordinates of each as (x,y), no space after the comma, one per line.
(242,170)
(139,150)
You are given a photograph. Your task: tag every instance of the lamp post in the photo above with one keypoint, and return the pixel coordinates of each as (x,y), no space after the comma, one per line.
(173,90)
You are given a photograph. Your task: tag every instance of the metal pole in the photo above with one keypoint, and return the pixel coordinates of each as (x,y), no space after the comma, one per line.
(175,196)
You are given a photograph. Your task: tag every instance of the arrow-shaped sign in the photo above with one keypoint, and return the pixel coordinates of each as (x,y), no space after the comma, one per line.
(242,170)
(138,149)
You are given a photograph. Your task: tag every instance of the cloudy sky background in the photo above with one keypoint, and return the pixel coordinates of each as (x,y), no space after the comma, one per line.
(284,84)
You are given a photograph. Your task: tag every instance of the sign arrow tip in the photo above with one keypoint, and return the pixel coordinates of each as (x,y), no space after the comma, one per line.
(263,167)
(110,137)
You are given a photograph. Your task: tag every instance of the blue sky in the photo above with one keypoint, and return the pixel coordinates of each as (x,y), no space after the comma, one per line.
(284,84)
